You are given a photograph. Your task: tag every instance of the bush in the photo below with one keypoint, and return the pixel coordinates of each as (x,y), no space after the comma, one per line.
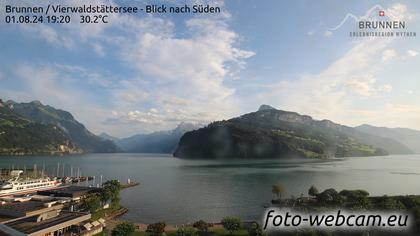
(201,225)
(123,229)
(91,203)
(156,229)
(388,203)
(329,196)
(232,224)
(410,201)
(313,191)
(255,229)
(186,231)
(354,194)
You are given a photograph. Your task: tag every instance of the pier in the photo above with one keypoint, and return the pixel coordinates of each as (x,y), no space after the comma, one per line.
(130,185)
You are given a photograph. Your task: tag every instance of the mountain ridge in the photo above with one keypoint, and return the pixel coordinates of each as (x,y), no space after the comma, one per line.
(80,137)
(272,133)
(156,142)
(22,136)
(408,137)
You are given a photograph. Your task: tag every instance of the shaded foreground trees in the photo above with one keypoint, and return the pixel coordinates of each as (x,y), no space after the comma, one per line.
(254,229)
(156,229)
(186,231)
(313,191)
(91,203)
(123,229)
(201,226)
(231,224)
(111,192)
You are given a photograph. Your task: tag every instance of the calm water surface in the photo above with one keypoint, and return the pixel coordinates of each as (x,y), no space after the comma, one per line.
(182,191)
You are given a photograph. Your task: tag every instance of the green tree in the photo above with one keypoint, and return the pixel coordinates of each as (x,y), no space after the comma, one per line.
(279,190)
(232,224)
(91,203)
(156,229)
(201,225)
(186,231)
(313,191)
(363,204)
(104,196)
(123,229)
(111,190)
(354,195)
(389,203)
(255,229)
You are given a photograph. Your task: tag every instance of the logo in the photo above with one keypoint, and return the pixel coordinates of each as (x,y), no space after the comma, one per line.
(382,26)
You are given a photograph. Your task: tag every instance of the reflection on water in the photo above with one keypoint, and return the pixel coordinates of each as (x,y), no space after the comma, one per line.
(182,191)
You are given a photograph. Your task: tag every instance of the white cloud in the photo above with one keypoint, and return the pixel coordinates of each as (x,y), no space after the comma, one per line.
(310,33)
(342,89)
(99,50)
(333,92)
(49,34)
(388,54)
(412,53)
(182,77)
(50,85)
(176,77)
(399,12)
(365,86)
(188,72)
(328,33)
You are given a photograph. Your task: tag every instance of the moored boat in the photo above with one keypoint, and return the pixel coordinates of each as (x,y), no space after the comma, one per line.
(18,185)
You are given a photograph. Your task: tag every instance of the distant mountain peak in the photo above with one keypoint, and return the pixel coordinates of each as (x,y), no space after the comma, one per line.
(37,102)
(266,107)
(9,102)
(107,136)
(157,142)
(183,127)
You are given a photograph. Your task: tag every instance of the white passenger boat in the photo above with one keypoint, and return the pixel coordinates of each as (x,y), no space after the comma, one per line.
(18,185)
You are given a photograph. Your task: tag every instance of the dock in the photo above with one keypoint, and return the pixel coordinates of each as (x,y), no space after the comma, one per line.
(129,185)
(81,179)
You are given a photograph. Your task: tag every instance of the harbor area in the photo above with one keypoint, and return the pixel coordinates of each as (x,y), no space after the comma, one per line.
(45,215)
(36,204)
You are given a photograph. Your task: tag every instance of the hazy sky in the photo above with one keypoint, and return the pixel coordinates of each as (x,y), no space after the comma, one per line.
(142,73)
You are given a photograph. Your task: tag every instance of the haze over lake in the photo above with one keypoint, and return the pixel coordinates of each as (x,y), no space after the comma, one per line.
(182,191)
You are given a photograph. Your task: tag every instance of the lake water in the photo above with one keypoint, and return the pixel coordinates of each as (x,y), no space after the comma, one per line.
(183,191)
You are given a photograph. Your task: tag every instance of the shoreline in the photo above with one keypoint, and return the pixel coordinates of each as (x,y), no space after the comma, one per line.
(298,203)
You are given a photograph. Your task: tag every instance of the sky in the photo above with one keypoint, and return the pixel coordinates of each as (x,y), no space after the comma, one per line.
(147,72)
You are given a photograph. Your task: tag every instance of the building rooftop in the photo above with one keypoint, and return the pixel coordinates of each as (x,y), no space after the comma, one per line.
(70,191)
(19,209)
(28,225)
